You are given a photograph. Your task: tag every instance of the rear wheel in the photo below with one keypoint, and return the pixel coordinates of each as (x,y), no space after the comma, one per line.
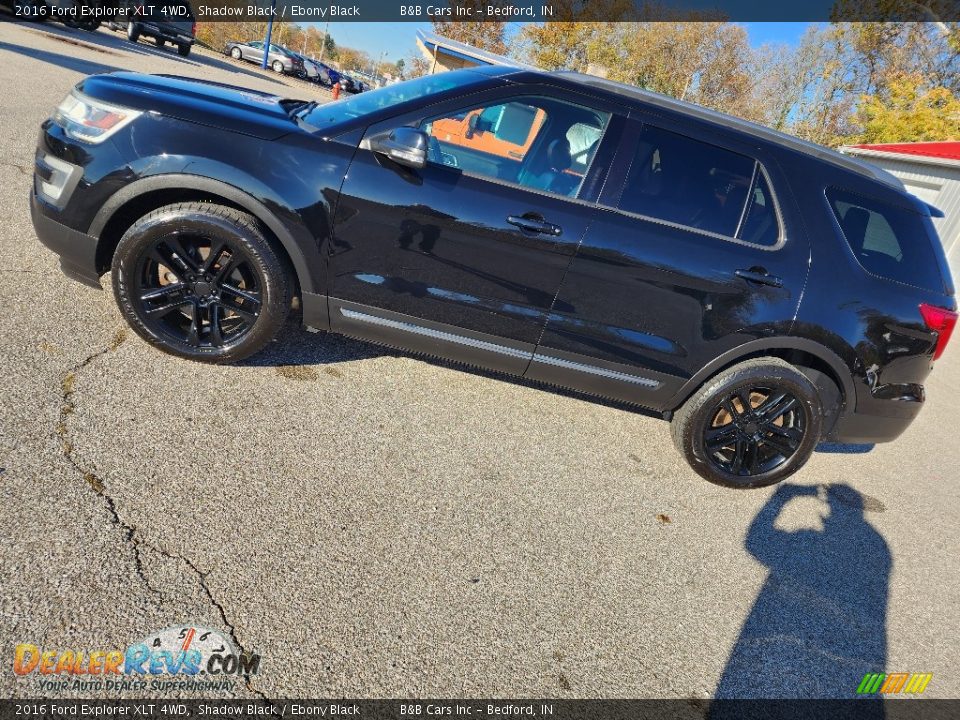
(201,281)
(277,66)
(133,32)
(751,426)
(183,50)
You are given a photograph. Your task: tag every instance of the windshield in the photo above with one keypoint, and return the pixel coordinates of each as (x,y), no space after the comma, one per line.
(355,106)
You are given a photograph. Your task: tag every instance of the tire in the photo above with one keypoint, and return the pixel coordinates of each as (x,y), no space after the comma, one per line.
(738,447)
(277,67)
(182,302)
(160,42)
(183,50)
(236,53)
(133,32)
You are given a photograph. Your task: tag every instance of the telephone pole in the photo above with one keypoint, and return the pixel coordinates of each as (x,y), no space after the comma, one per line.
(323,44)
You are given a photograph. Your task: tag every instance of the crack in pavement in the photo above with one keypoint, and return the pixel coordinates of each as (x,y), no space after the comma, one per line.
(17,166)
(130,532)
(67,406)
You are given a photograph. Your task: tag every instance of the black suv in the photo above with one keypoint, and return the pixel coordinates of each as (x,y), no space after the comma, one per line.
(760,291)
(165,21)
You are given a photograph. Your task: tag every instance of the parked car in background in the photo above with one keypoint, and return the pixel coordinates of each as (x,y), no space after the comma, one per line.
(359,83)
(279,59)
(348,84)
(329,75)
(311,71)
(760,292)
(166,21)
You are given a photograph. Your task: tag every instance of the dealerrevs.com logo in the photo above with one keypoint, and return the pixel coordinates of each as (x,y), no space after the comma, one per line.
(178,658)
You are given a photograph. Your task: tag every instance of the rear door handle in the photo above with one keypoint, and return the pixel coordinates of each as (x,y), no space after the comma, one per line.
(759,276)
(535,225)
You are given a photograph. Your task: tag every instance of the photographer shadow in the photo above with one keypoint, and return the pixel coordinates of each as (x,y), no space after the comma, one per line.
(819,623)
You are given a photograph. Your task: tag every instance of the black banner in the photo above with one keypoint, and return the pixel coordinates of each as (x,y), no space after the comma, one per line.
(860,709)
(499,10)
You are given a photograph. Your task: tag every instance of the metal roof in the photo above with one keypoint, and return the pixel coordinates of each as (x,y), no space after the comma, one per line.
(943,153)
(464,51)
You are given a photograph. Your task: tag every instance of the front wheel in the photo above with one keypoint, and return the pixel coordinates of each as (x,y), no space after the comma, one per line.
(201,281)
(752,425)
(236,53)
(133,32)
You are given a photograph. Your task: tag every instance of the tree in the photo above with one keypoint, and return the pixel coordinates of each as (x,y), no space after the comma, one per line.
(350,59)
(216,35)
(488,36)
(329,47)
(416,65)
(909,114)
(400,64)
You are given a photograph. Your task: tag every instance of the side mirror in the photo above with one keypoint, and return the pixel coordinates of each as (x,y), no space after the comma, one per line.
(404,145)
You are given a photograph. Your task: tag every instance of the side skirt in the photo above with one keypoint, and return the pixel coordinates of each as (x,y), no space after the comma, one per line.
(584,374)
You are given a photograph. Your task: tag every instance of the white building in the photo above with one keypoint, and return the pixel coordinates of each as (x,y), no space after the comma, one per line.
(931,171)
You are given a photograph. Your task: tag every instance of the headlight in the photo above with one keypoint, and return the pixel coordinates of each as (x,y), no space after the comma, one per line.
(90,120)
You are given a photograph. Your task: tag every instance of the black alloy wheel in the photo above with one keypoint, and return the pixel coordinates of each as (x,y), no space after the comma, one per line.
(199,291)
(750,426)
(201,281)
(754,430)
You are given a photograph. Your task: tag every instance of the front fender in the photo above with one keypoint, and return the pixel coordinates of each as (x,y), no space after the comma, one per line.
(255,197)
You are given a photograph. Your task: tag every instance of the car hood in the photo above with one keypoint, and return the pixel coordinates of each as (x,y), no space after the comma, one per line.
(229,107)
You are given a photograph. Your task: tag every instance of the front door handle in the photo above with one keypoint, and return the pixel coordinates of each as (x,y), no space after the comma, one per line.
(535,225)
(759,276)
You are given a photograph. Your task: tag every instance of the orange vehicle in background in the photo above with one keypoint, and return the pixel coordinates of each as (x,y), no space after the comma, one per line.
(503,130)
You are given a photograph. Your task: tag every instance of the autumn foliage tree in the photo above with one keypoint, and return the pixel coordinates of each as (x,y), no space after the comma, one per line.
(486,35)
(843,82)
(909,112)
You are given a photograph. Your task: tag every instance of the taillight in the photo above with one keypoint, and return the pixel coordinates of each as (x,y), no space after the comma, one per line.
(193,29)
(942,322)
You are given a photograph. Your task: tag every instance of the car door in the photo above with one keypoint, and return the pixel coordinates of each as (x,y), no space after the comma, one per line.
(699,251)
(463,258)
(254,51)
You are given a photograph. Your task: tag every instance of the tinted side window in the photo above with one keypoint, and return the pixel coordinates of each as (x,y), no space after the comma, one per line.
(688,182)
(888,240)
(540,143)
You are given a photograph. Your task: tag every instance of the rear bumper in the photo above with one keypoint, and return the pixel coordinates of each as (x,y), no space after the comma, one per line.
(77,250)
(861,429)
(165,34)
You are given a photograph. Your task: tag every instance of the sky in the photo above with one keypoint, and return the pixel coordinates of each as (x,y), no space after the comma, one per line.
(399,39)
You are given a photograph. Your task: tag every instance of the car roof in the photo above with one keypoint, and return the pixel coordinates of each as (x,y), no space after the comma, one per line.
(628,93)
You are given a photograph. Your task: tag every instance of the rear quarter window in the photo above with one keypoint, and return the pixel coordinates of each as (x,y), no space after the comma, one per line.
(888,240)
